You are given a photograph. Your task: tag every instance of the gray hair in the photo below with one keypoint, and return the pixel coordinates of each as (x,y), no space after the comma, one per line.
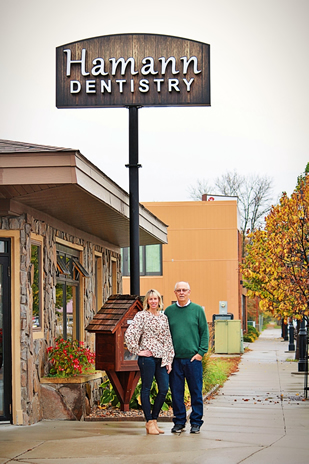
(182,282)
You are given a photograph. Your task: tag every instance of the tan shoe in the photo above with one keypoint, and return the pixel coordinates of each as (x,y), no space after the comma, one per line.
(157,427)
(151,429)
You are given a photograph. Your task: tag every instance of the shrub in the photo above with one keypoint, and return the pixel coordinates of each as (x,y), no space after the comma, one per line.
(251,335)
(109,396)
(249,338)
(253,330)
(215,371)
(69,358)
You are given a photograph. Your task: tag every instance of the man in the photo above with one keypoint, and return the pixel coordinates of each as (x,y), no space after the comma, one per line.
(190,336)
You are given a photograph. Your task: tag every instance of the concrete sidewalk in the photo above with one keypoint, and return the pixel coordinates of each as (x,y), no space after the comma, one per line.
(257,417)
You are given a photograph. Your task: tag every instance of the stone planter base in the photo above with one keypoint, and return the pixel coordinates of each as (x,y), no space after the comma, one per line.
(71,398)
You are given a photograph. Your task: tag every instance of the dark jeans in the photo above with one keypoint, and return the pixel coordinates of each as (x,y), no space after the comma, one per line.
(193,373)
(151,367)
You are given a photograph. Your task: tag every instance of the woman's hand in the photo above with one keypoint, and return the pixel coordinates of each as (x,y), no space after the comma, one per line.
(146,353)
(168,368)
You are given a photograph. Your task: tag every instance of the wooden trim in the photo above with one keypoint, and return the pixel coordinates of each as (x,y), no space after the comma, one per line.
(76,379)
(69,244)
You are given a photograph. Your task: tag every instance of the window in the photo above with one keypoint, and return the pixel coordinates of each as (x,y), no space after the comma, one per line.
(69,273)
(65,305)
(153,259)
(3,246)
(98,282)
(114,276)
(150,260)
(36,285)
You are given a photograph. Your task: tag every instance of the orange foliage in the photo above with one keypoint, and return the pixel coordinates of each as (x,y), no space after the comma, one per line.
(276,267)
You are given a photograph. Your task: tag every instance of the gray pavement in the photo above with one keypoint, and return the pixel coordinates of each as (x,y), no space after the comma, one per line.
(259,416)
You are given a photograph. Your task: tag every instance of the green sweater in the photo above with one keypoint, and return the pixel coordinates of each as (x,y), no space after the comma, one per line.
(189,329)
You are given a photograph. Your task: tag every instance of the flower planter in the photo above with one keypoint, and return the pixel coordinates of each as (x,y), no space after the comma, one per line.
(70,398)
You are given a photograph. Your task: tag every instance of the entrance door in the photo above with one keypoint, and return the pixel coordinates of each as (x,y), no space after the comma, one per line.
(5,332)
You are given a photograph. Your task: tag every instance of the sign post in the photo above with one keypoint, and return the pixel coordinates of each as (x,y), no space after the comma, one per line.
(134,200)
(133,70)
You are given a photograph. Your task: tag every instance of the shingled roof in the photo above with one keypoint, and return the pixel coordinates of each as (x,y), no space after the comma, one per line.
(10,146)
(113,312)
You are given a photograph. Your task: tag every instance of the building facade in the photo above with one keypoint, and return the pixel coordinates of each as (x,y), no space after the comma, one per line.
(62,225)
(204,249)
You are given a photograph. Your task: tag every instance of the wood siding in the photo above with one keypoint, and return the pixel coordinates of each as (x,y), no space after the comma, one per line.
(137,46)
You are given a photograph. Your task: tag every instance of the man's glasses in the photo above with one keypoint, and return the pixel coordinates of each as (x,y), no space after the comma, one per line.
(183,290)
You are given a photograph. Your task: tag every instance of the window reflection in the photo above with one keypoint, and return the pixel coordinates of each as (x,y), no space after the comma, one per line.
(36,285)
(127,355)
(3,246)
(65,310)
(150,260)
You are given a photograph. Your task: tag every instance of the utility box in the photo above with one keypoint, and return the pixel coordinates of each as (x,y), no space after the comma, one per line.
(228,336)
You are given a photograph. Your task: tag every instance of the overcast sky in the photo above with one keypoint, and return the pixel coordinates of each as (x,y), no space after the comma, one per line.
(258,120)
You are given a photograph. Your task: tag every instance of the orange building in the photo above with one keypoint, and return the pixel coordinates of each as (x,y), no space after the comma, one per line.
(204,249)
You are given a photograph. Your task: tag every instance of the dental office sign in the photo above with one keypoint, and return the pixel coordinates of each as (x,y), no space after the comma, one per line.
(132,70)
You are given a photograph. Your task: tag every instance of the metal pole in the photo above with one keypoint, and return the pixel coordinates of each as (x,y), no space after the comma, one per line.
(302,347)
(134,200)
(291,337)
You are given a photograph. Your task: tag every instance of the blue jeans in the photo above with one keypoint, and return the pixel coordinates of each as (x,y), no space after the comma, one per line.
(193,373)
(151,367)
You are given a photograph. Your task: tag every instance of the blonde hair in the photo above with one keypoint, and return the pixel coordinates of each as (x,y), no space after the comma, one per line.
(145,303)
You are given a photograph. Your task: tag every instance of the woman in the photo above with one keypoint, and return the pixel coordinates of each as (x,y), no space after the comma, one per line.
(149,337)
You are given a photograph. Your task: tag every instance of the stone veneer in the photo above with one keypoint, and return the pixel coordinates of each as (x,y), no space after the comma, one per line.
(33,351)
(70,399)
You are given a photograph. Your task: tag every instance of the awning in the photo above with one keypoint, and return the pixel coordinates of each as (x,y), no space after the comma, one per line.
(63,184)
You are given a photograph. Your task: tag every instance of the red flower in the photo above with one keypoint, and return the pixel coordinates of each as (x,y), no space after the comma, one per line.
(69,358)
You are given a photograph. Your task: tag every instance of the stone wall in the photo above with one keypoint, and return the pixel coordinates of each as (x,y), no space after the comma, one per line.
(63,399)
(33,351)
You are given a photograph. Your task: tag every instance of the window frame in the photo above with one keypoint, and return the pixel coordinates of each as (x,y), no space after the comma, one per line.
(125,268)
(37,240)
(73,278)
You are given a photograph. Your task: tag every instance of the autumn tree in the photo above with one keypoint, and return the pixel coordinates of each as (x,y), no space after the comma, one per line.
(254,194)
(276,265)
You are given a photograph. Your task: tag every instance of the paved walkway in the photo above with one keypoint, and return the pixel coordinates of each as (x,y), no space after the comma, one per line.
(257,417)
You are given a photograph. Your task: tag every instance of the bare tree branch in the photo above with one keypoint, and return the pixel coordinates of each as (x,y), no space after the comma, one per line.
(196,191)
(254,194)
(229,184)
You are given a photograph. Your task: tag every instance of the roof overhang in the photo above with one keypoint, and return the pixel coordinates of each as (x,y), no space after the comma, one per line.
(63,184)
